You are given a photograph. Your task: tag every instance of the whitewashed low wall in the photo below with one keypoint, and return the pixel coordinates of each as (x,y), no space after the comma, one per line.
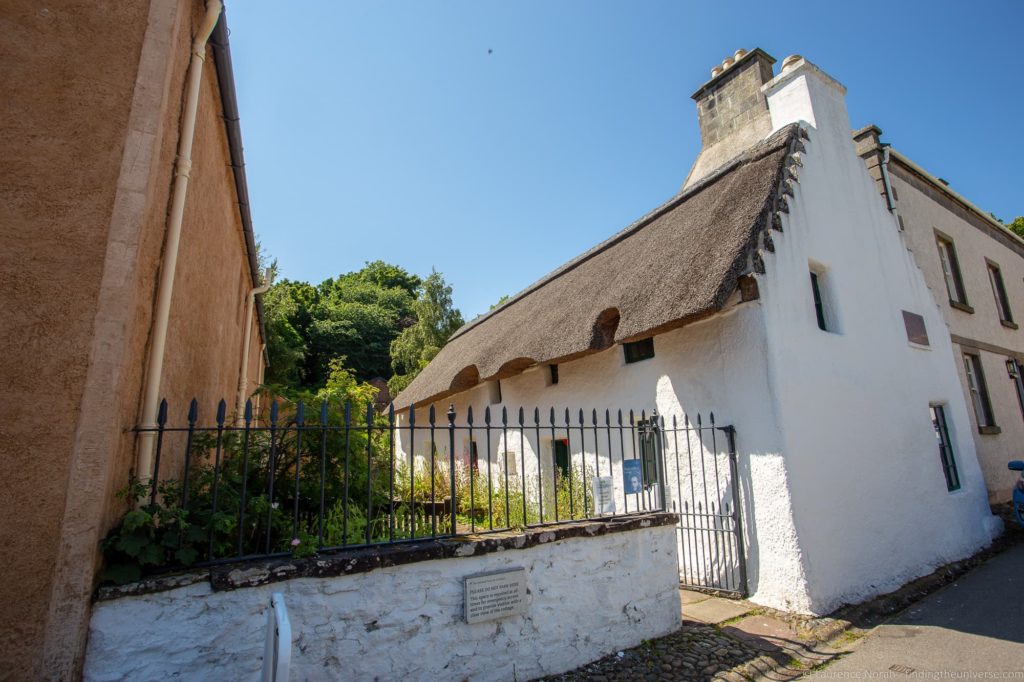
(587,597)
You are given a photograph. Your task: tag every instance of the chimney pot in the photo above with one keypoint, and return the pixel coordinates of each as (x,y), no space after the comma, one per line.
(790,61)
(739,54)
(727,62)
(716,71)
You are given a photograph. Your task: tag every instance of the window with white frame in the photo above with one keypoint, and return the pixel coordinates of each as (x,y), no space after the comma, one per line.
(951,271)
(995,278)
(979,393)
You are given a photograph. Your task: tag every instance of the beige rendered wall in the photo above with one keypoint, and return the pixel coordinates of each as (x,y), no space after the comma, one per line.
(69,73)
(925,209)
(89,134)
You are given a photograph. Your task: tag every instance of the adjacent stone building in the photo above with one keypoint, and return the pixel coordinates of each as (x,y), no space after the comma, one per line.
(90,129)
(975,268)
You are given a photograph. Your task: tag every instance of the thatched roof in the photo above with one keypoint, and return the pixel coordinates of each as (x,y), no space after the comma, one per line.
(678,264)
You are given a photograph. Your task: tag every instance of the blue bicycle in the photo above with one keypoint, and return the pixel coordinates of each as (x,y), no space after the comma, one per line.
(1018,491)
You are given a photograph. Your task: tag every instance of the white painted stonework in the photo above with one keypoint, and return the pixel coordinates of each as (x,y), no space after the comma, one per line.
(841,482)
(587,597)
(869,499)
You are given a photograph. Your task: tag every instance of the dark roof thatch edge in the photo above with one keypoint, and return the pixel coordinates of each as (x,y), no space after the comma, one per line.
(758,151)
(762,234)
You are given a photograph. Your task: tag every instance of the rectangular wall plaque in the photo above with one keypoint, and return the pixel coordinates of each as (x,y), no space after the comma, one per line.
(604,495)
(490,596)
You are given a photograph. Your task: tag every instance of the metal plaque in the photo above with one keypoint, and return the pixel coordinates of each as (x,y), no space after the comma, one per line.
(604,495)
(490,596)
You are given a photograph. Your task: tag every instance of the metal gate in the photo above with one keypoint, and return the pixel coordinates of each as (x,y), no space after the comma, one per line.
(702,485)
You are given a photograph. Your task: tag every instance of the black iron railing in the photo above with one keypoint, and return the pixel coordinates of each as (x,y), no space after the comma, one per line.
(298,483)
(702,468)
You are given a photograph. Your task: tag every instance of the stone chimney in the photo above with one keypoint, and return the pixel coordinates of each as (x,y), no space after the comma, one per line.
(732,110)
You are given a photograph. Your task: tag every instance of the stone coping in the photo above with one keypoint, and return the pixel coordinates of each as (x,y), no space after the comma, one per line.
(233,576)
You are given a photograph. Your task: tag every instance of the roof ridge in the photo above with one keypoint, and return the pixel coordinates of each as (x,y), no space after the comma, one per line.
(755,152)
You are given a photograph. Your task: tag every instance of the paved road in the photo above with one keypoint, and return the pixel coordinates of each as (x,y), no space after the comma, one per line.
(973,625)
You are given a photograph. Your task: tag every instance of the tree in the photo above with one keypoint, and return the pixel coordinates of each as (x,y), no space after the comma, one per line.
(286,317)
(436,320)
(1017,226)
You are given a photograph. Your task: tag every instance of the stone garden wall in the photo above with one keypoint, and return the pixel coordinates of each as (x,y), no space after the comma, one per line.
(391,613)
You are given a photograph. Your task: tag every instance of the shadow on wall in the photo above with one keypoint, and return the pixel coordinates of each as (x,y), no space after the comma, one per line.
(704,486)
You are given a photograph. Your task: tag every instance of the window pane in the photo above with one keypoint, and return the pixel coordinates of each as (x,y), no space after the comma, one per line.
(999,291)
(978,390)
(951,271)
(639,350)
(949,469)
(819,308)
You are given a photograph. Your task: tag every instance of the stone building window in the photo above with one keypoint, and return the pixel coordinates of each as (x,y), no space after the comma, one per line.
(995,277)
(951,273)
(979,394)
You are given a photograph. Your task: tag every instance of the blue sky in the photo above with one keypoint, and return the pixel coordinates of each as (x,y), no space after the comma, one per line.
(496,140)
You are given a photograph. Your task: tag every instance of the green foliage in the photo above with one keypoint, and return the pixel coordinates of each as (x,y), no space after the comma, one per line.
(357,316)
(436,320)
(501,301)
(179,530)
(1017,226)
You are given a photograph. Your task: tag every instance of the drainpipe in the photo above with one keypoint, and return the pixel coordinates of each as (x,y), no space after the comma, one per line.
(243,377)
(885,180)
(182,168)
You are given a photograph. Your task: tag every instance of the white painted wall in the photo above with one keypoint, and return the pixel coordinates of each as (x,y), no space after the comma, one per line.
(717,365)
(870,504)
(587,598)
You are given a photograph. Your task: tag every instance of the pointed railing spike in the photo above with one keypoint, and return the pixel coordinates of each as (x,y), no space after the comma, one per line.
(248,410)
(552,416)
(431,415)
(273,412)
(161,415)
(300,413)
(487,415)
(521,416)
(193,411)
(469,415)
(222,410)
(536,415)
(504,416)
(348,413)
(391,415)
(323,413)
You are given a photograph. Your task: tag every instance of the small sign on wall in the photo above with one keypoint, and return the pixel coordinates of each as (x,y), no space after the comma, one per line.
(604,495)
(499,594)
(632,476)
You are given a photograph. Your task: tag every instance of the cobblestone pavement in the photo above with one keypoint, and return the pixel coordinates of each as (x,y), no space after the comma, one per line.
(695,652)
(738,641)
